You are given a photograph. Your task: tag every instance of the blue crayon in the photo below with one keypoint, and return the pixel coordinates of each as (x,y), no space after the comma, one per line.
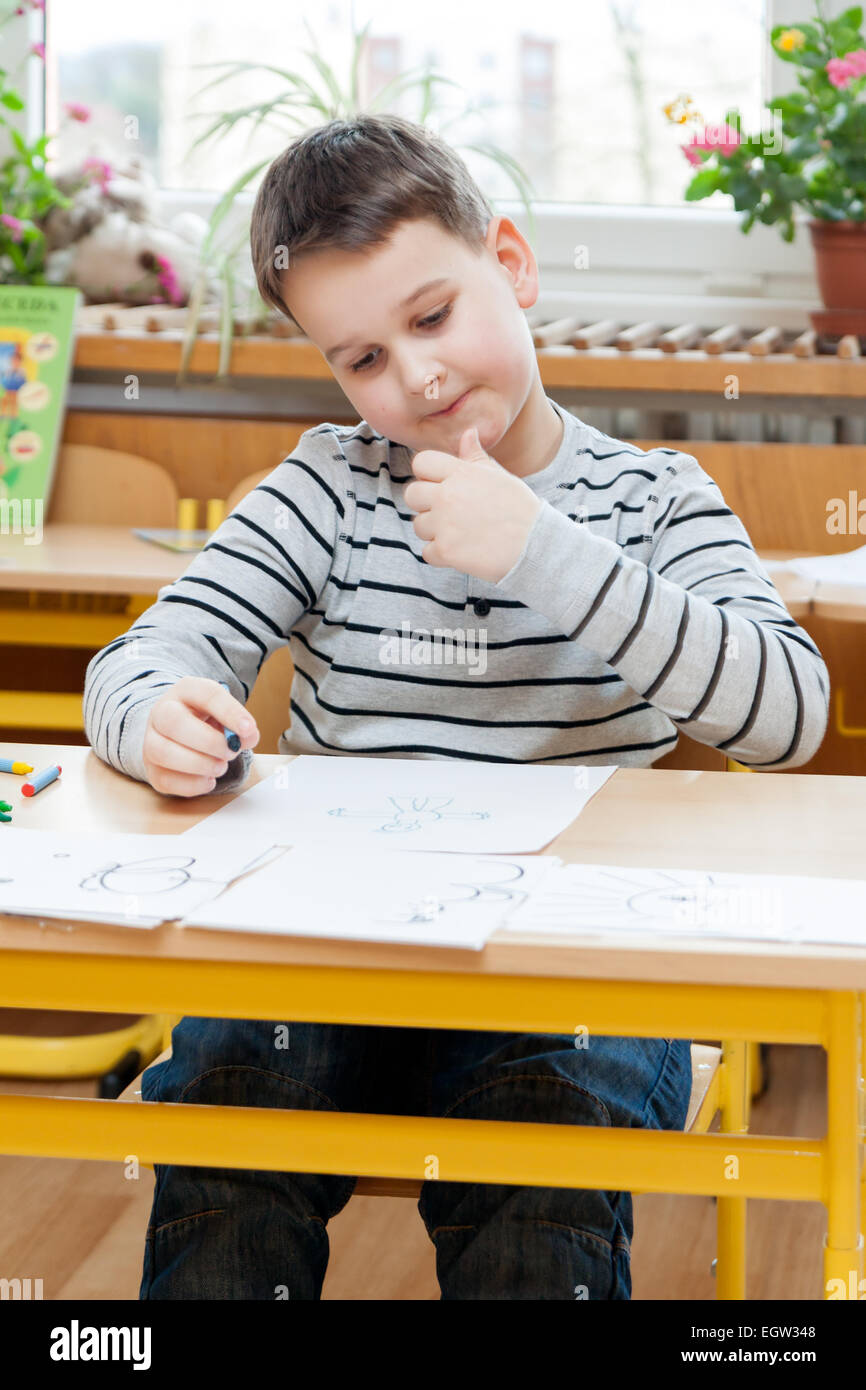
(14,765)
(232,739)
(42,779)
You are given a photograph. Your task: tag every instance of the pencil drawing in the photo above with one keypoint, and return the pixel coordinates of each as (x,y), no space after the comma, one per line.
(411,813)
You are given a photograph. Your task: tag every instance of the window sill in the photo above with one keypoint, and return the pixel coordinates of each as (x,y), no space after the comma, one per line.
(605,368)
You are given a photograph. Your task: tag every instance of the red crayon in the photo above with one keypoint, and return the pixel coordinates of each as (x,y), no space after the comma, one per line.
(42,779)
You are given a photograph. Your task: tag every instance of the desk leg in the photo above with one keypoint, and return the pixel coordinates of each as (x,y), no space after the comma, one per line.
(731,1211)
(843,1243)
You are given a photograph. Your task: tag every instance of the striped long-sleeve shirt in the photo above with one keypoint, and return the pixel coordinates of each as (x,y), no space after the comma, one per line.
(637,608)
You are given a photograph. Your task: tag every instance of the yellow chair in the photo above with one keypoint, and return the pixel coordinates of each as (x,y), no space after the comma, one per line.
(114,1056)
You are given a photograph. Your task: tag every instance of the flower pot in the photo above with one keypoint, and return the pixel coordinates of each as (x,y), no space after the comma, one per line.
(840,262)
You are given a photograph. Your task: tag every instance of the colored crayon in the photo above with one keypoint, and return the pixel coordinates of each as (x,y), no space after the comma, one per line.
(232,739)
(7,765)
(42,779)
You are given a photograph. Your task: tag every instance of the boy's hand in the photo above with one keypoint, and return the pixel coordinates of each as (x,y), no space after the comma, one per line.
(475,514)
(184,747)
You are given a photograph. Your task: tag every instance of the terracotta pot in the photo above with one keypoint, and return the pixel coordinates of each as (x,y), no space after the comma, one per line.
(840,262)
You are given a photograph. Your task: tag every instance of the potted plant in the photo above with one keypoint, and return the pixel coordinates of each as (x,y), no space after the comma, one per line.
(27,192)
(812,158)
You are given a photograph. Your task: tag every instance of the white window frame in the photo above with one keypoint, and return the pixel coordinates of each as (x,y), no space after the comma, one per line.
(643,262)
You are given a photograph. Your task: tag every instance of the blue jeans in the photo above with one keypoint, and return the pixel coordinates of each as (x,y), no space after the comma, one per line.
(220,1233)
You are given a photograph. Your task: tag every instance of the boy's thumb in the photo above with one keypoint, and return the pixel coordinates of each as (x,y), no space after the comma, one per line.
(470,446)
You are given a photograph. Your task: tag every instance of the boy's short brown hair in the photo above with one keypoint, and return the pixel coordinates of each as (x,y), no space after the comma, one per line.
(348,183)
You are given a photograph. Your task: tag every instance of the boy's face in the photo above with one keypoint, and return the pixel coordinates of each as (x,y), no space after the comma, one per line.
(468,331)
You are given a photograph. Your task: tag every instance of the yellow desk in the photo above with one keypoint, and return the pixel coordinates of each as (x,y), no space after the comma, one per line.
(843,603)
(703,989)
(80,586)
(805,596)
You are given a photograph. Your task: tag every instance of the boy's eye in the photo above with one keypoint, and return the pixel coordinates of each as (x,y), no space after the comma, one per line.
(431,322)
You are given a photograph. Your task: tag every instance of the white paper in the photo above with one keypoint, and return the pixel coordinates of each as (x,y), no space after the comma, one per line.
(133,880)
(608,900)
(420,898)
(410,804)
(847,568)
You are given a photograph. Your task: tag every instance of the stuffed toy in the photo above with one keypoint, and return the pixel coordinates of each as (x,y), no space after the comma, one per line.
(110,242)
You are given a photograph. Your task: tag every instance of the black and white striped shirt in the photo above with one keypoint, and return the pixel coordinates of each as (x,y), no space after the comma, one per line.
(638,608)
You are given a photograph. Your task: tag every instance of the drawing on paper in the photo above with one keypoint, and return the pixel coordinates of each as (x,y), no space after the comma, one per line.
(143,876)
(664,895)
(411,813)
(496,886)
(693,900)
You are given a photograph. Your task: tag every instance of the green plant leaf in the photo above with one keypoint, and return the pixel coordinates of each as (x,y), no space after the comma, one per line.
(403,83)
(340,106)
(193,316)
(224,206)
(745,193)
(356,58)
(227,321)
(705,182)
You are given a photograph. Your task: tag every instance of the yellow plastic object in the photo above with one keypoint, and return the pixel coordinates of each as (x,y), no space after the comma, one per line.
(35,619)
(216,512)
(843,729)
(187,514)
(82,1055)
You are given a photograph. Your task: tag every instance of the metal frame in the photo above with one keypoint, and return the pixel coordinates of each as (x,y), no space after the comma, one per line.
(732,1164)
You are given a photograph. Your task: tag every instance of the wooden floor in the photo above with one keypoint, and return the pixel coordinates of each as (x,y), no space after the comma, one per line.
(79,1225)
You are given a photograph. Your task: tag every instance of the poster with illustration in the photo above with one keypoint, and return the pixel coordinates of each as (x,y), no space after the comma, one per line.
(36,348)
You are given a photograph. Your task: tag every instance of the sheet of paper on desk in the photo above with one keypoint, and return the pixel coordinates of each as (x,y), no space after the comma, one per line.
(611,900)
(411,804)
(132,880)
(424,899)
(847,568)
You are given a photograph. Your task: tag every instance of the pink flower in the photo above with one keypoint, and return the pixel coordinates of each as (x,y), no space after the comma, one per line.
(38,50)
(13,223)
(99,171)
(168,279)
(723,138)
(77,112)
(840,71)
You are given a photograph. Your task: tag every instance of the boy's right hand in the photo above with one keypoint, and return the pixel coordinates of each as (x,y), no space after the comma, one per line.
(184,749)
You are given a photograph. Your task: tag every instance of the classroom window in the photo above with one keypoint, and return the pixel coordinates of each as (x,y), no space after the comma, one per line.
(575,93)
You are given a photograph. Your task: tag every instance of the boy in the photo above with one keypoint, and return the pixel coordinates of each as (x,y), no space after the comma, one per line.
(621,601)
